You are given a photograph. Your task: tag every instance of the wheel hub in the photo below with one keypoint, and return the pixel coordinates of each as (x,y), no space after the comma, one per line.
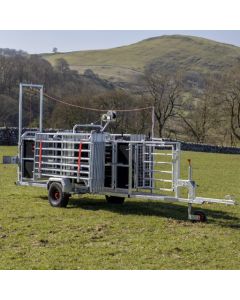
(57,195)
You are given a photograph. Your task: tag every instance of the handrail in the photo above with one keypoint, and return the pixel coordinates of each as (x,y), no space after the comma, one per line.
(26,133)
(86,125)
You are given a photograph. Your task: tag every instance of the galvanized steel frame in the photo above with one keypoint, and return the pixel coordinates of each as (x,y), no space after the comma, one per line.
(141,161)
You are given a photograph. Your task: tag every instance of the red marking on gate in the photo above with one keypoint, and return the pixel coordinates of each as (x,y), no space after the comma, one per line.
(79,157)
(40,157)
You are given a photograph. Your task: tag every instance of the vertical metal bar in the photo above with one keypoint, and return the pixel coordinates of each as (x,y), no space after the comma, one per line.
(34,158)
(79,160)
(20,133)
(40,159)
(91,156)
(130,170)
(151,169)
(177,170)
(136,166)
(144,164)
(189,211)
(20,171)
(41,110)
(173,156)
(112,165)
(62,152)
(115,179)
(189,169)
(20,115)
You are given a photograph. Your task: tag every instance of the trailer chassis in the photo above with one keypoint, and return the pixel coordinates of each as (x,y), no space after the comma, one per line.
(117,166)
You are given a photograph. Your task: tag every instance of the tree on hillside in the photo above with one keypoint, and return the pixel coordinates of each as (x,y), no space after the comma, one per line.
(199,113)
(8,111)
(64,84)
(89,73)
(231,100)
(62,65)
(165,92)
(12,52)
(126,122)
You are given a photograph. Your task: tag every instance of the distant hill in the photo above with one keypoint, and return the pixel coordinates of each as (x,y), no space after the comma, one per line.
(195,56)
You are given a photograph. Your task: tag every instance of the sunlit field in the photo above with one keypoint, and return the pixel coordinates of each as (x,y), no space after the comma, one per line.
(141,234)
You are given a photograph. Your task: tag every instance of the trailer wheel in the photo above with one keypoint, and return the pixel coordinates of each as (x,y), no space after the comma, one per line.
(56,197)
(201,214)
(115,200)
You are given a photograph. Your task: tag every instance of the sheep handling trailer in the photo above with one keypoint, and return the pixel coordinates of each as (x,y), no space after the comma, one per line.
(90,160)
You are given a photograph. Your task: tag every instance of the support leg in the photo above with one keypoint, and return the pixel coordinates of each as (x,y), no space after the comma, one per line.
(190,211)
(197,216)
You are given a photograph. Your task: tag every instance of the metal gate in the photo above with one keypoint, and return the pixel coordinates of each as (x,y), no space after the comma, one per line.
(156,166)
(132,166)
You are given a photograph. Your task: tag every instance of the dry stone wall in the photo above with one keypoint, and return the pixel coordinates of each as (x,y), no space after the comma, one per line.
(9,136)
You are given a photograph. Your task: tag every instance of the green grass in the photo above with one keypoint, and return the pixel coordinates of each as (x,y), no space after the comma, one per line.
(91,234)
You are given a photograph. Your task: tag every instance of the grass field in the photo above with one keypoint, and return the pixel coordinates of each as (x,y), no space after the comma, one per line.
(91,234)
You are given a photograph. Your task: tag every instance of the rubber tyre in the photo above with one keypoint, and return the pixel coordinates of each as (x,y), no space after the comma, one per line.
(115,200)
(201,214)
(56,197)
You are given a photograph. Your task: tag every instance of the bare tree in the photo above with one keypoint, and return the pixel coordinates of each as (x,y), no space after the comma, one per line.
(62,65)
(119,100)
(199,113)
(231,97)
(165,92)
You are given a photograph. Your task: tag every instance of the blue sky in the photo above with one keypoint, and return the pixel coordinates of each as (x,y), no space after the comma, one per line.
(44,40)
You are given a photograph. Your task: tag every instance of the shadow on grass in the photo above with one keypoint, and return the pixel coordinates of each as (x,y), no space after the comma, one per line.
(175,211)
(150,208)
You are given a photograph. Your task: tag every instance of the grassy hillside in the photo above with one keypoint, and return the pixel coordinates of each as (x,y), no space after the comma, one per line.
(91,234)
(192,54)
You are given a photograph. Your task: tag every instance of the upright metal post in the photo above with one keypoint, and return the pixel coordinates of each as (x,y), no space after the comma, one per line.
(20,114)
(189,169)
(177,169)
(130,157)
(41,110)
(190,217)
(20,125)
(153,121)
(20,131)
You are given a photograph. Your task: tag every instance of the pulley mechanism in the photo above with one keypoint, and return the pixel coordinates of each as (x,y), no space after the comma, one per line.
(109,117)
